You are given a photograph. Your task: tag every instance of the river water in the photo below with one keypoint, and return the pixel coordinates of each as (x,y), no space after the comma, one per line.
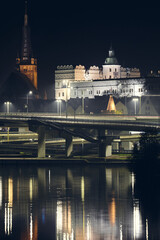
(80,202)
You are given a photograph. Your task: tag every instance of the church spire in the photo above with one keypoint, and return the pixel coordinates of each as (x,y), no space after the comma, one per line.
(26,14)
(26,63)
(26,42)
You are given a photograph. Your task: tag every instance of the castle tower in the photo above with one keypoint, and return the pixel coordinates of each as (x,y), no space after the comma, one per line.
(111,69)
(26,63)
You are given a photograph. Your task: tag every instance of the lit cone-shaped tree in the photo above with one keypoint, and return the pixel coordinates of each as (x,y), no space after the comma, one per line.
(111,105)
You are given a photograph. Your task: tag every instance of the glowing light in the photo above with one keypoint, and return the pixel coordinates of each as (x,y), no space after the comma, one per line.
(112,211)
(82,189)
(121,234)
(135,99)
(111,105)
(10,192)
(59,216)
(146,229)
(8,209)
(137,221)
(31,226)
(133,182)
(31,188)
(8,219)
(88,229)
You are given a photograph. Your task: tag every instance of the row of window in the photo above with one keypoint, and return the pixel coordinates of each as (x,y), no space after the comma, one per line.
(114,91)
(127,90)
(59,94)
(110,69)
(140,89)
(98,91)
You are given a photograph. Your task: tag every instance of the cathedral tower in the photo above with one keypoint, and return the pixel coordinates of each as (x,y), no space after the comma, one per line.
(26,63)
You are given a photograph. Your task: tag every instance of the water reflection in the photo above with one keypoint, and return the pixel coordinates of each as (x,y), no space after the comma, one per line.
(8,208)
(70,203)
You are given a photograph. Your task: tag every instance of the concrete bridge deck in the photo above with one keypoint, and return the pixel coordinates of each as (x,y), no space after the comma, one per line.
(78,127)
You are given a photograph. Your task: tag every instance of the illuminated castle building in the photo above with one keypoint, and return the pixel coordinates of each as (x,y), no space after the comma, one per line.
(73,82)
(26,63)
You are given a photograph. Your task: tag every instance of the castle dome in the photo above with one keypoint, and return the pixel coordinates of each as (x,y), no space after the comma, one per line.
(111,59)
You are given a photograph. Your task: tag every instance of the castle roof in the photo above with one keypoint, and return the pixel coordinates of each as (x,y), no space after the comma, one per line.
(111,59)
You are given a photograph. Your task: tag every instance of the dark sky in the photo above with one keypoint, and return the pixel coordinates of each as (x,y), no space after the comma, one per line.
(80,32)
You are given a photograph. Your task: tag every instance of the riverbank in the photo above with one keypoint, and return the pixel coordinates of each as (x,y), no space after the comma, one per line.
(115,158)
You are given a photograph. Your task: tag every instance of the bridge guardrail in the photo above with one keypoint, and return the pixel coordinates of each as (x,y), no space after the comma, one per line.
(78,120)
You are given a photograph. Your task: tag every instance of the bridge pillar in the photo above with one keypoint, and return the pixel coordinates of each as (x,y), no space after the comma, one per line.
(69,145)
(41,142)
(105,148)
(105,144)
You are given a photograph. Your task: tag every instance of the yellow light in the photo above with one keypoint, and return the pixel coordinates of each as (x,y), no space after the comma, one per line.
(112,211)
(30,188)
(82,189)
(10,192)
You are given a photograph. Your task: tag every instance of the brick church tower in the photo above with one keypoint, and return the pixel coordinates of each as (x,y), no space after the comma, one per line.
(26,63)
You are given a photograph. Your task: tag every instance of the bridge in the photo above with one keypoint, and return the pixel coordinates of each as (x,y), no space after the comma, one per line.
(93,128)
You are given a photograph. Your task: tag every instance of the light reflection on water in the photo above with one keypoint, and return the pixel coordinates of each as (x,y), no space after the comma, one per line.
(70,203)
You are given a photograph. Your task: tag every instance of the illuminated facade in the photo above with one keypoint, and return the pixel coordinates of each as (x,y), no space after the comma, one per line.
(26,63)
(129,87)
(69,78)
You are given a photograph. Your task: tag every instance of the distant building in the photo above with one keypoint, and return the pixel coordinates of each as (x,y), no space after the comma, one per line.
(72,82)
(20,87)
(26,63)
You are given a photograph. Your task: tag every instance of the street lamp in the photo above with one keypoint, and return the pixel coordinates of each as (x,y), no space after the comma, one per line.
(135,100)
(59,106)
(67,85)
(29,93)
(7,106)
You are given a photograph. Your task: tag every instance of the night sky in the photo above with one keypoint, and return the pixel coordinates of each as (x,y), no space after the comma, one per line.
(80,33)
